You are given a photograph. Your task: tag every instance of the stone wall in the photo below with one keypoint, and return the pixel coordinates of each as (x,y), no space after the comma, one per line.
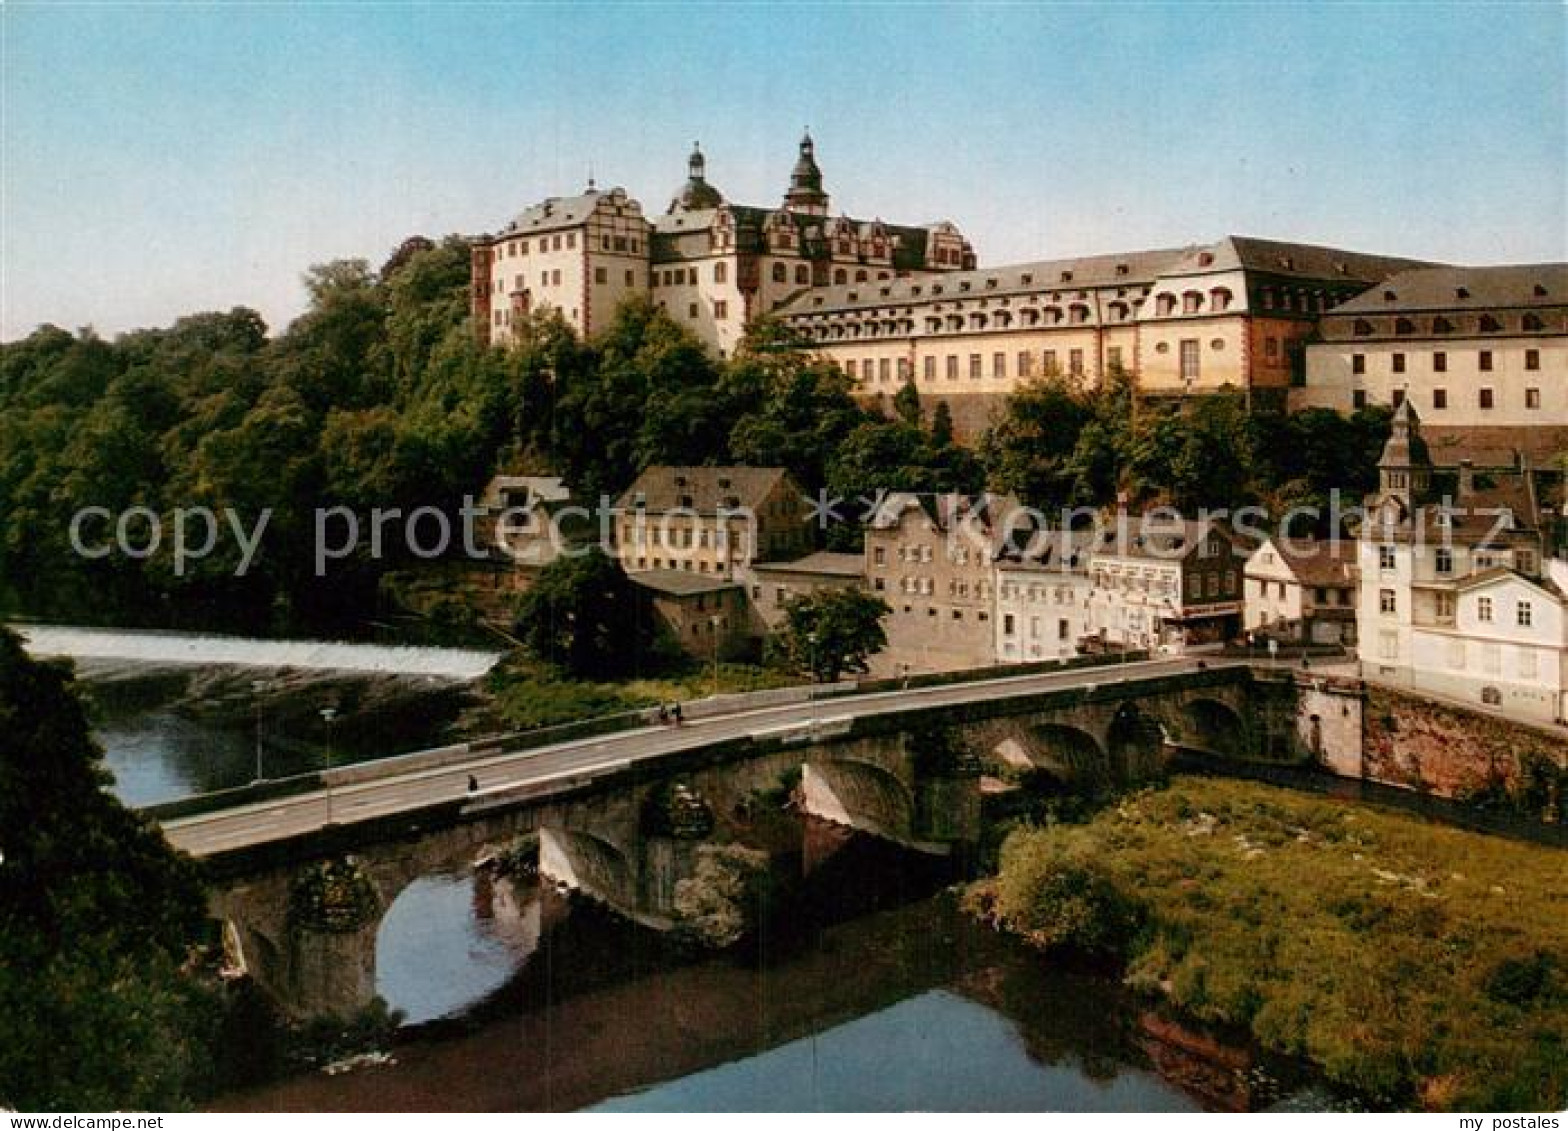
(1452,752)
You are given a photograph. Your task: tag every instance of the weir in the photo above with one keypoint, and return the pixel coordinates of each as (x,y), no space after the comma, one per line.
(154,647)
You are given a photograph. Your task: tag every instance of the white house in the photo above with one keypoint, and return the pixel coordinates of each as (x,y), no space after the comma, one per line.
(1302,591)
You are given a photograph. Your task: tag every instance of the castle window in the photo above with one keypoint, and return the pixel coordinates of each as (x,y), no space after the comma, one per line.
(1485,397)
(1441,325)
(720,272)
(861,277)
(1531,323)
(1404,326)
(1489,324)
(1484,361)
(1362,328)
(780,273)
(1440,362)
(1532,359)
(1532,398)
(1219,298)
(840,276)
(802,274)
(1399,362)
(1191,302)
(1439,398)
(1075,362)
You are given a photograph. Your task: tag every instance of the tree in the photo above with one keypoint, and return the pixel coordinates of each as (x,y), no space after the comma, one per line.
(97,917)
(793,408)
(833,631)
(906,403)
(584,615)
(1031,451)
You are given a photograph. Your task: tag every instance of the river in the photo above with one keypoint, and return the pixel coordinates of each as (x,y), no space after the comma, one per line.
(875,993)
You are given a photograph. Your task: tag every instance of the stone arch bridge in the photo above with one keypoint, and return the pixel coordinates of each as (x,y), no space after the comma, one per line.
(605,831)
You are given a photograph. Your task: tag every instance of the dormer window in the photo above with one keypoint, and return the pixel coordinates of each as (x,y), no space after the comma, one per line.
(1461,292)
(1067,276)
(1362,328)
(1026,279)
(1122,270)
(1540,290)
(1389,296)
(1206,259)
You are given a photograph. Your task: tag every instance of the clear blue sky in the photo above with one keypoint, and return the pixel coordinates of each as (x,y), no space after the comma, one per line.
(159,160)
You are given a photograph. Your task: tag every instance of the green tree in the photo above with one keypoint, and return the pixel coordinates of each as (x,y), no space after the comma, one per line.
(833,631)
(793,408)
(585,616)
(97,917)
(1032,451)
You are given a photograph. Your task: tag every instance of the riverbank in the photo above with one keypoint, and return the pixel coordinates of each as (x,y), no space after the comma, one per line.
(1415,965)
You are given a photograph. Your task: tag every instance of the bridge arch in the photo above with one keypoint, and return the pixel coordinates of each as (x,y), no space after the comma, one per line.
(590,863)
(1067,754)
(1214,726)
(862,795)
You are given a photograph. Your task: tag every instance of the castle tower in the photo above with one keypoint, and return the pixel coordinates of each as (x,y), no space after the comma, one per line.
(696,194)
(805,193)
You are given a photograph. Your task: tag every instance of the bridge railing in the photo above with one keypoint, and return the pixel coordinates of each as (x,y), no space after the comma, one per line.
(518,741)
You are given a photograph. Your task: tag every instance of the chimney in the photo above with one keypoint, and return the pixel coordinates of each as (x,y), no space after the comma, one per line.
(1466,477)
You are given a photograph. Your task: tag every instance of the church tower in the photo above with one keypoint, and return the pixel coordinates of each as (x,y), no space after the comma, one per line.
(805,193)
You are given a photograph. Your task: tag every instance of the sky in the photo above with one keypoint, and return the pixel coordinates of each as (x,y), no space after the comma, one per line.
(157,160)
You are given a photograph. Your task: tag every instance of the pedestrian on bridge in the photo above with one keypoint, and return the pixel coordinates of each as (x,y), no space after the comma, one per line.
(473,784)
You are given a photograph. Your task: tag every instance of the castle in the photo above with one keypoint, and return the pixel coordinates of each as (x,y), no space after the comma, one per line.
(1485,349)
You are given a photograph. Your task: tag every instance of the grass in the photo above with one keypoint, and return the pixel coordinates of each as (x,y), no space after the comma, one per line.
(1412,963)
(527,694)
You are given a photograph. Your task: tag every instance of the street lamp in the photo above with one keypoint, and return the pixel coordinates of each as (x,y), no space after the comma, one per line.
(329,716)
(811,646)
(715,622)
(258,686)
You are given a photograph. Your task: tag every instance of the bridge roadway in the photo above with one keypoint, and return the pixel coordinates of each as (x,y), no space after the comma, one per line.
(501,774)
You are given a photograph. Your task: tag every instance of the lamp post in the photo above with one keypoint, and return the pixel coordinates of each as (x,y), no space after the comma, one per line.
(715,622)
(329,716)
(811,644)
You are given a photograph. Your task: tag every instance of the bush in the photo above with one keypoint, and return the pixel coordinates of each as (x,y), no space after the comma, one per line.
(1412,963)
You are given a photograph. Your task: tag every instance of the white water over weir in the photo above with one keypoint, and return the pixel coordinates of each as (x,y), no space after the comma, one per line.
(151,647)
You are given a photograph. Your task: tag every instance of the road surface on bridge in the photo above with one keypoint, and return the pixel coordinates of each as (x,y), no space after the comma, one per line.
(501,774)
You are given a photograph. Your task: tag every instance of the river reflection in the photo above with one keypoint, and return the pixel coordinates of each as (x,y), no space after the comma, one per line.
(914,1006)
(169,733)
